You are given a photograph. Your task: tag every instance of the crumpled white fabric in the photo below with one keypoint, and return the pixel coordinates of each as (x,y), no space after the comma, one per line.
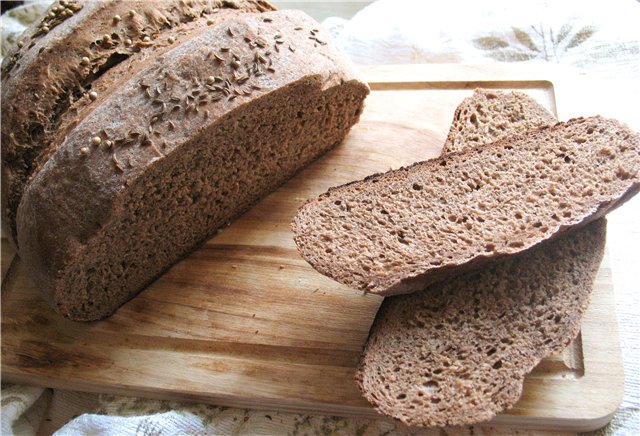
(596,37)
(169,423)
(18,414)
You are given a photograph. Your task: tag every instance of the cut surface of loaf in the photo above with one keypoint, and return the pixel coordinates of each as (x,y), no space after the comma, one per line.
(489,115)
(457,352)
(225,117)
(400,231)
(58,60)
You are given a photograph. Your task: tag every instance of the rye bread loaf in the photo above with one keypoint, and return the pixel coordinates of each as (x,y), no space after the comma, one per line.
(58,60)
(179,149)
(457,352)
(489,115)
(398,232)
(562,312)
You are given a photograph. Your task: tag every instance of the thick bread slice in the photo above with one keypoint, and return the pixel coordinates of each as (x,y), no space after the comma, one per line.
(457,352)
(489,115)
(58,60)
(226,117)
(398,232)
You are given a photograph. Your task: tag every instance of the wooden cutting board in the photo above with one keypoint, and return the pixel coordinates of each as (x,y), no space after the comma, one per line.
(244,321)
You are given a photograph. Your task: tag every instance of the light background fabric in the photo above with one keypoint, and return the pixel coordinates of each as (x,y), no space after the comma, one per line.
(594,39)
(597,38)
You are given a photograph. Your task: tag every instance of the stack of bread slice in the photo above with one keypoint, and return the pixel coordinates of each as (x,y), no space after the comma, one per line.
(497,244)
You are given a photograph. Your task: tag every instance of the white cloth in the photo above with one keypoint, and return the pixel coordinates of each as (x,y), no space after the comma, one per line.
(20,415)
(596,37)
(149,425)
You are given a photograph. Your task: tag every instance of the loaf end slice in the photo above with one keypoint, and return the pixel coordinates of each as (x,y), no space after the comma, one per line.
(228,116)
(489,115)
(400,231)
(457,352)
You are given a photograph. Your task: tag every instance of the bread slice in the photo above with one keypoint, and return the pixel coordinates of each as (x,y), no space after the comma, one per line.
(488,395)
(59,58)
(489,115)
(398,232)
(457,352)
(177,151)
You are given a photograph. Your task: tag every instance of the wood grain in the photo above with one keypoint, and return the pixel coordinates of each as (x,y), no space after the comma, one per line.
(7,262)
(244,321)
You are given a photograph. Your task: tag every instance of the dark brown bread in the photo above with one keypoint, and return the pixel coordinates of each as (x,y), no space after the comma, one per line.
(457,352)
(489,115)
(485,394)
(59,59)
(399,232)
(224,118)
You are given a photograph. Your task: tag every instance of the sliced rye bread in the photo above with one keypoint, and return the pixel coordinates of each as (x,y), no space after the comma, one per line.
(398,232)
(457,352)
(487,397)
(489,115)
(59,58)
(177,150)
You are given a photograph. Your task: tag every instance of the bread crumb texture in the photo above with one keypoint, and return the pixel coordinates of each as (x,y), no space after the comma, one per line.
(456,353)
